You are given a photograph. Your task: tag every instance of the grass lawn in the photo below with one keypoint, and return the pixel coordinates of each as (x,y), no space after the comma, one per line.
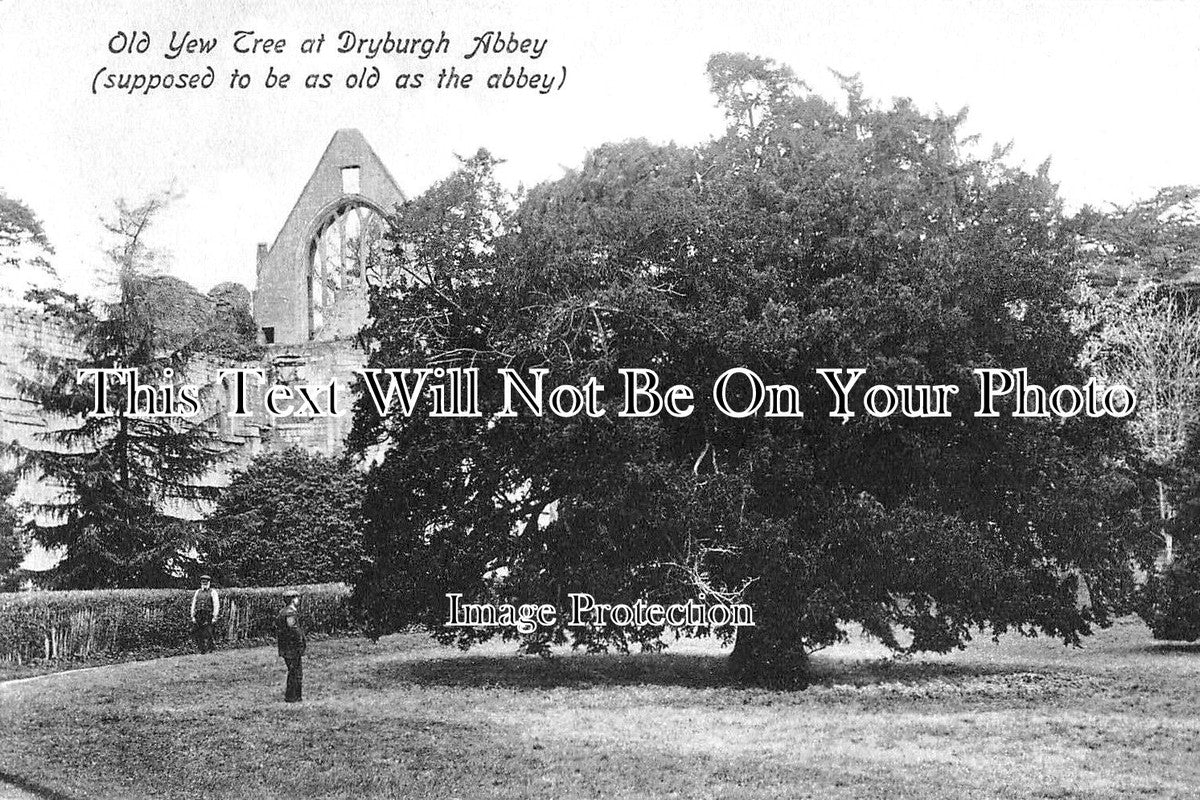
(1118,718)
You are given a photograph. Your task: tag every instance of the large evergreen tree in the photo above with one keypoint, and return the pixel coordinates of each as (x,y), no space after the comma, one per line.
(119,482)
(805,237)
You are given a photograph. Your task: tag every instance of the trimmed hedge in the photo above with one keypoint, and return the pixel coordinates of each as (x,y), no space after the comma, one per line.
(116,622)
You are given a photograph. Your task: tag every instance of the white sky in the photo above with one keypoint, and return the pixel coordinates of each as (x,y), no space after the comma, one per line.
(1107,90)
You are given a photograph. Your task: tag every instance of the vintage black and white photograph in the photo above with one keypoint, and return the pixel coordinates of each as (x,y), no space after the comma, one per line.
(639,399)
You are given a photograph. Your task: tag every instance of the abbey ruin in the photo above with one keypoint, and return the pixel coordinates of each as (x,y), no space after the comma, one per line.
(309,301)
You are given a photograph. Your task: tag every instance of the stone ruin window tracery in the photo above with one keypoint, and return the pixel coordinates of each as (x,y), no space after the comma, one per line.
(343,259)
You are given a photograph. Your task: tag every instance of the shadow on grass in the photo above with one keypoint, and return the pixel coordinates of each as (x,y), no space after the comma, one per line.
(655,669)
(570,671)
(831,672)
(1173,648)
(32,787)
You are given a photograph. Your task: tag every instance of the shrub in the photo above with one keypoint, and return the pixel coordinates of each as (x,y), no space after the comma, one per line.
(1171,596)
(1171,604)
(289,517)
(116,622)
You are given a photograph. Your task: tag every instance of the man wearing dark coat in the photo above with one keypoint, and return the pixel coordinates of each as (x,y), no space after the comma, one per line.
(289,634)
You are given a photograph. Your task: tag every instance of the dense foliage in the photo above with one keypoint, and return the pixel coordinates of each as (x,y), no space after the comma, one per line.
(1155,240)
(230,332)
(218,324)
(19,226)
(1144,260)
(13,543)
(25,250)
(805,237)
(125,479)
(288,517)
(1171,597)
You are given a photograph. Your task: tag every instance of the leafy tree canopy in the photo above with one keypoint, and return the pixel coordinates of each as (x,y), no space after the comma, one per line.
(230,332)
(13,543)
(20,226)
(811,234)
(1144,263)
(287,518)
(25,250)
(1155,240)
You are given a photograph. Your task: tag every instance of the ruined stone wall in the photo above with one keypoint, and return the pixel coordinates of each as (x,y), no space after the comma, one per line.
(23,330)
(308,363)
(349,181)
(348,175)
(21,419)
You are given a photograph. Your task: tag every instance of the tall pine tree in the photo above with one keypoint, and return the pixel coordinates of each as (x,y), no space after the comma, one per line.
(119,480)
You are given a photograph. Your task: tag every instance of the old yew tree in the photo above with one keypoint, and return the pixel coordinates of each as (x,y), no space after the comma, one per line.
(809,235)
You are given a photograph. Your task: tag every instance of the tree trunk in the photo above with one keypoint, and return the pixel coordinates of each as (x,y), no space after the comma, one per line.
(1165,514)
(742,658)
(762,659)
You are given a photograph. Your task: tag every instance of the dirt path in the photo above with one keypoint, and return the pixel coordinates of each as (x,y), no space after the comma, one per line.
(14,787)
(44,676)
(10,792)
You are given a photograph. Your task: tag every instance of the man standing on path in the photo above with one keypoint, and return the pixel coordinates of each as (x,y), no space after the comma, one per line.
(290,637)
(206,607)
